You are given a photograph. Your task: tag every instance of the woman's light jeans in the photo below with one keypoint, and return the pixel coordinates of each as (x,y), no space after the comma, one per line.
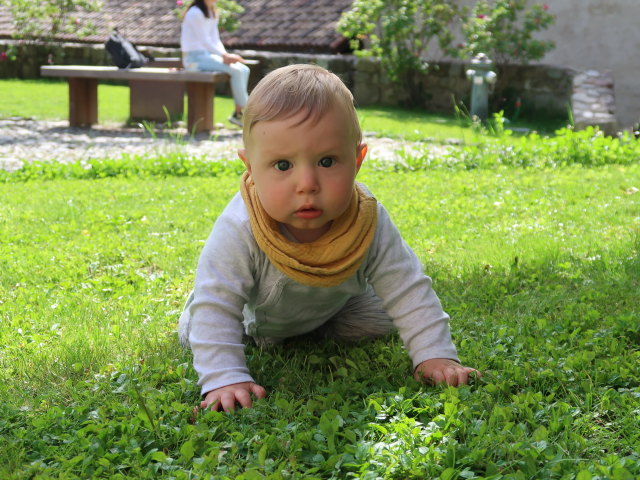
(208,62)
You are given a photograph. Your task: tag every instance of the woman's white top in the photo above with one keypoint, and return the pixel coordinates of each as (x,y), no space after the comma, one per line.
(200,33)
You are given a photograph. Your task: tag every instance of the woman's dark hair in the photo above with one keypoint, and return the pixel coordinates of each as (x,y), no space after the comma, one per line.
(201,5)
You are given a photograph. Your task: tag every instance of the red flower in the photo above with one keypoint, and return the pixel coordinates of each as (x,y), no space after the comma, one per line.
(179,3)
(3,56)
(545,6)
(481,16)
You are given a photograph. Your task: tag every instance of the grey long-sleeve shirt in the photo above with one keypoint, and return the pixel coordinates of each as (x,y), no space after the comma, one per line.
(237,288)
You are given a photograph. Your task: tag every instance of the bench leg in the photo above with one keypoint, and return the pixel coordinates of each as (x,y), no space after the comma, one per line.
(147,99)
(83,101)
(200,107)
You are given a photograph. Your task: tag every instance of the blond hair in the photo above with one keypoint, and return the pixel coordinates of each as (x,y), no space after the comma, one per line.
(289,90)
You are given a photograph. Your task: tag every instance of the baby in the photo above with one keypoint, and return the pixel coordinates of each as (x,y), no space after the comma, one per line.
(303,247)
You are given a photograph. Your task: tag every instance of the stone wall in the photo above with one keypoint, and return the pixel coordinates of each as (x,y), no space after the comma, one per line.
(594,102)
(540,89)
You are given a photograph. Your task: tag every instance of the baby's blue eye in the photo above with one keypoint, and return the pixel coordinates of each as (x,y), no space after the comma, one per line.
(327,162)
(283,165)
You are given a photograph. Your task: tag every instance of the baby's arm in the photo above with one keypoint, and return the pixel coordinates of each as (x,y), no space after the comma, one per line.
(227,397)
(397,277)
(224,280)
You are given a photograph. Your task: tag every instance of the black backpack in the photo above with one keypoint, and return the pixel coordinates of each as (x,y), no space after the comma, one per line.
(124,54)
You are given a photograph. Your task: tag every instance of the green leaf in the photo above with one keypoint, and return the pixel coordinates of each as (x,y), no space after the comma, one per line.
(540,434)
(187,451)
(584,475)
(449,474)
(159,457)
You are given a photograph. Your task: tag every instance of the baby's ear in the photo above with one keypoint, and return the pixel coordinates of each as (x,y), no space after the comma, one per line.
(242,153)
(361,152)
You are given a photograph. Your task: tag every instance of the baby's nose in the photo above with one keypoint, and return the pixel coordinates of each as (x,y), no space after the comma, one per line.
(308,181)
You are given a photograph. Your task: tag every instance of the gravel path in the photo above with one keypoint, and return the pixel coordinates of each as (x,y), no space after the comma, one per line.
(30,140)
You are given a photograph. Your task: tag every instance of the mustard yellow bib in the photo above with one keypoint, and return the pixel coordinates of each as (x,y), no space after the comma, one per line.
(328,261)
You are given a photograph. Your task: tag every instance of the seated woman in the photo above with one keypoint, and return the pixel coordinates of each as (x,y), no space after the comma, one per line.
(203,50)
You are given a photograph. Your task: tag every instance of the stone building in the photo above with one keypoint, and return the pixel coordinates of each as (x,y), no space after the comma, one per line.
(594,36)
(601,35)
(275,25)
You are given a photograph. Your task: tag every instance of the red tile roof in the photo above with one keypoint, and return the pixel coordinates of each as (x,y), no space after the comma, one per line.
(290,25)
(282,25)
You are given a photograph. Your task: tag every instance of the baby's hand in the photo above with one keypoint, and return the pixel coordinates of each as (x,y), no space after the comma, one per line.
(443,370)
(227,397)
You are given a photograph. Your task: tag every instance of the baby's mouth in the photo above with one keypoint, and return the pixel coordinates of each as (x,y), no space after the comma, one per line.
(308,213)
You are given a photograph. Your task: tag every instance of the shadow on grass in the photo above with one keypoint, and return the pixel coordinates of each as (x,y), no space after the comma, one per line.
(562,318)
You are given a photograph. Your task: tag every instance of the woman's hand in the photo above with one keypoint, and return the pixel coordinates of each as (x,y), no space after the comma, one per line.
(229,58)
(225,398)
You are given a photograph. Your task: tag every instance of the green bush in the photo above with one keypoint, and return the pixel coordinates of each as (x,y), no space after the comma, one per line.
(587,147)
(177,165)
(504,30)
(401,32)
(45,20)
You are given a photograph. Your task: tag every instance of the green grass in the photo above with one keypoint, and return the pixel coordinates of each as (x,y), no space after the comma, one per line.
(420,125)
(415,124)
(538,267)
(533,245)
(113,107)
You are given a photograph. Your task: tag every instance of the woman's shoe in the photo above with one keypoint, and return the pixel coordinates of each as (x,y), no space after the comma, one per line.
(236,119)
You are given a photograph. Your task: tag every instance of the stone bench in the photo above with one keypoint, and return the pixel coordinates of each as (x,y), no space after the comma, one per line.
(83,92)
(148,99)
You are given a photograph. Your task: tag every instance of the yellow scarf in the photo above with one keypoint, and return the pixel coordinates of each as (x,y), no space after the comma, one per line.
(328,261)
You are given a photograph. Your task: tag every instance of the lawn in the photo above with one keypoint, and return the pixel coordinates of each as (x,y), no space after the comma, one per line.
(113,107)
(533,244)
(537,266)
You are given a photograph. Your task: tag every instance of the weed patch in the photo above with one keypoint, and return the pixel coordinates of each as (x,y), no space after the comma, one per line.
(588,147)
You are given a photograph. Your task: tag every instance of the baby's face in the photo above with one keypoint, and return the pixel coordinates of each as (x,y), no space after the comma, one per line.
(304,172)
